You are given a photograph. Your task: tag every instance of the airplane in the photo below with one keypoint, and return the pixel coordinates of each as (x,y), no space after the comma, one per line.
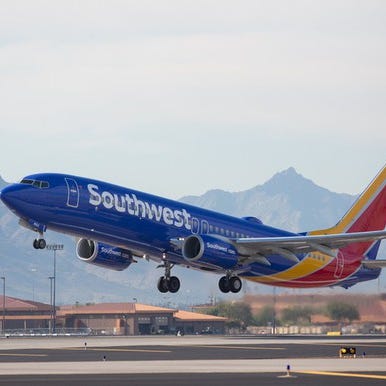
(114,226)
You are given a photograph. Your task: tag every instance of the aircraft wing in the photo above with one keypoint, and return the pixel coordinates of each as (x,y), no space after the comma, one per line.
(259,248)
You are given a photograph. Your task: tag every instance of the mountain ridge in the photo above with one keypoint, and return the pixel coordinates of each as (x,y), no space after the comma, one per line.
(2,183)
(286,192)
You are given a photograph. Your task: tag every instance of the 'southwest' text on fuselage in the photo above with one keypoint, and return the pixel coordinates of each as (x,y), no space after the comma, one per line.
(129,203)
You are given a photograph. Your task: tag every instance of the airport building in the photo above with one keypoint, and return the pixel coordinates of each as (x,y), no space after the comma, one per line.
(106,318)
(138,319)
(24,314)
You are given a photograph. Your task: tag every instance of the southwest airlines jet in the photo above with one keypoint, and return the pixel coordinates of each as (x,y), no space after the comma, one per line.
(114,225)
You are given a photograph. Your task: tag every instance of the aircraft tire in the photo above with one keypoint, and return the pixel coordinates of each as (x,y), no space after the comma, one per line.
(36,244)
(173,284)
(42,243)
(162,285)
(223,284)
(235,284)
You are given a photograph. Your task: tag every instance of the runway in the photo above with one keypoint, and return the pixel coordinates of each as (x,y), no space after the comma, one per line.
(190,360)
(250,379)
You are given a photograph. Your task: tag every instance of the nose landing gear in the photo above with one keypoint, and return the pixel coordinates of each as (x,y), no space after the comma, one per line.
(40,243)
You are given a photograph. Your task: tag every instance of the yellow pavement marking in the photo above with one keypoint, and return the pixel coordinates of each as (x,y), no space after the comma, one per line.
(244,347)
(116,349)
(22,355)
(354,375)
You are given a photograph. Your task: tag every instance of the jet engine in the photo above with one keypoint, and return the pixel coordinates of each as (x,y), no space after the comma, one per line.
(103,255)
(209,250)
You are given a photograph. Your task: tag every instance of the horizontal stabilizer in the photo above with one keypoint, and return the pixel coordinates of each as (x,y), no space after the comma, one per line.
(373,264)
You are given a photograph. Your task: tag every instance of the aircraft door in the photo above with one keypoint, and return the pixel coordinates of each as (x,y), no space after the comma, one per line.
(72,193)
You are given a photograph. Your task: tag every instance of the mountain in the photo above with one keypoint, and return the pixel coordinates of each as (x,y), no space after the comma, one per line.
(287,200)
(2,183)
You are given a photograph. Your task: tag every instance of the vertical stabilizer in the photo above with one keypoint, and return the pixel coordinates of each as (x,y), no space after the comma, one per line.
(368,213)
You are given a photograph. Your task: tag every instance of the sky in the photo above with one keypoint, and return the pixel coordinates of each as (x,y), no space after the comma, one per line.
(179,97)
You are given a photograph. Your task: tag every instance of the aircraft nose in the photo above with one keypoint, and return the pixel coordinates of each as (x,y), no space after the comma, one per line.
(4,193)
(10,194)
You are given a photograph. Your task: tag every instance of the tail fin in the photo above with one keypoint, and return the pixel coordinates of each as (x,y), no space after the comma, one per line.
(368,213)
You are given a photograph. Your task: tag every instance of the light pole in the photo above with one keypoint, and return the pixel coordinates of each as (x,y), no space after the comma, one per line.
(3,326)
(54,247)
(51,305)
(274,312)
(33,283)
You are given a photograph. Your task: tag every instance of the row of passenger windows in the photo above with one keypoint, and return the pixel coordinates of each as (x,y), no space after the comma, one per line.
(227,232)
(36,183)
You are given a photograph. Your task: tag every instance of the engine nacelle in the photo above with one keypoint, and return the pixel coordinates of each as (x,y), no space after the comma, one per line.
(210,251)
(103,255)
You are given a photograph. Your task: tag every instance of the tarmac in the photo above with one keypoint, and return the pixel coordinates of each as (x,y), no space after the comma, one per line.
(191,360)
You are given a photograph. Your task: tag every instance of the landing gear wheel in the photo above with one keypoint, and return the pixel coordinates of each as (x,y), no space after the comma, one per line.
(235,284)
(162,285)
(39,243)
(168,283)
(223,284)
(42,243)
(173,284)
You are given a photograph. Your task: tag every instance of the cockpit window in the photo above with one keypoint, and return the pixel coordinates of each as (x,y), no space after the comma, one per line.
(27,182)
(36,183)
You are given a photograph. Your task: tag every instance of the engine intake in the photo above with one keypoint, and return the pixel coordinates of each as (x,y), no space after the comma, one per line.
(103,255)
(209,250)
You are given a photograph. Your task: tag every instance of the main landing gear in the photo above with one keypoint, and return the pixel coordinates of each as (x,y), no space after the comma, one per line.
(230,283)
(40,243)
(171,284)
(168,283)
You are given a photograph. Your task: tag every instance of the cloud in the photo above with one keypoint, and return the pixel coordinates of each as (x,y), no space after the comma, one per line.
(159,81)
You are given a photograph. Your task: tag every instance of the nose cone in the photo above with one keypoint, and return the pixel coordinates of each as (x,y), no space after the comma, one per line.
(3,194)
(10,195)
